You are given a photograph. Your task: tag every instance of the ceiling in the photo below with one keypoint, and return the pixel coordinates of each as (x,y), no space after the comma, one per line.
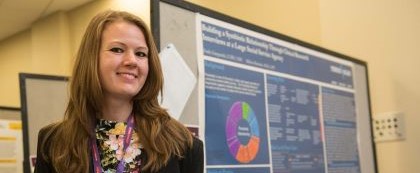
(18,15)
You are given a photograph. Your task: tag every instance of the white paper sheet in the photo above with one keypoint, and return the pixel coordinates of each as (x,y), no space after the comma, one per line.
(179,81)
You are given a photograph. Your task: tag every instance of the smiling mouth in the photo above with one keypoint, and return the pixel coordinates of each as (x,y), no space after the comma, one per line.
(130,75)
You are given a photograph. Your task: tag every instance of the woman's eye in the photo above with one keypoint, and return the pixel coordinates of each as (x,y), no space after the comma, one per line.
(116,50)
(141,54)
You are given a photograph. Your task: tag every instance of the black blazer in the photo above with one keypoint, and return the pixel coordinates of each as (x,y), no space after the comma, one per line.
(192,162)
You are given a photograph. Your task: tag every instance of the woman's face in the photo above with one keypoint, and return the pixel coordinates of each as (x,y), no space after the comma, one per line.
(123,60)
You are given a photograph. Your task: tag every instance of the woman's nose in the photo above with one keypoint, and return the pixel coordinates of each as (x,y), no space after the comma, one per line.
(130,58)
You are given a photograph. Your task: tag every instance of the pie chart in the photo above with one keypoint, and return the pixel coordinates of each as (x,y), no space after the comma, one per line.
(242,132)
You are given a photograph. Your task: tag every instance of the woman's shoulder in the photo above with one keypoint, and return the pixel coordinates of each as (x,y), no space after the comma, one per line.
(43,163)
(193,160)
(48,130)
(46,134)
(197,145)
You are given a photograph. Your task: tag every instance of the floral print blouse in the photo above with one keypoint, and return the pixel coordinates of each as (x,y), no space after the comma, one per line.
(110,137)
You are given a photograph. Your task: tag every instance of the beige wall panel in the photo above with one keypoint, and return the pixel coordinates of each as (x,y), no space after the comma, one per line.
(15,57)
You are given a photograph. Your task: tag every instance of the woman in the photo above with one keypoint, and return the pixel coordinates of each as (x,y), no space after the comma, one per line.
(113,121)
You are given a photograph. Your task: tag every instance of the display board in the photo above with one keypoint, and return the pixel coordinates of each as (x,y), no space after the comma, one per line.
(9,113)
(43,101)
(266,102)
(10,140)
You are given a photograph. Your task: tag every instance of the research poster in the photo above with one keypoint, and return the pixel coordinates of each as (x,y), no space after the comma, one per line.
(271,106)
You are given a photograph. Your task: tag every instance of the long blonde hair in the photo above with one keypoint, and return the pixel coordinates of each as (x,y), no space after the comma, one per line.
(161,136)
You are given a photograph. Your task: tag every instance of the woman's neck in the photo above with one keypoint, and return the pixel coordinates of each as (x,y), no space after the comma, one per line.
(116,110)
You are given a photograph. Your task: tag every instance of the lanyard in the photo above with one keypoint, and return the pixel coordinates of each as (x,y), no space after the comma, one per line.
(127,137)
